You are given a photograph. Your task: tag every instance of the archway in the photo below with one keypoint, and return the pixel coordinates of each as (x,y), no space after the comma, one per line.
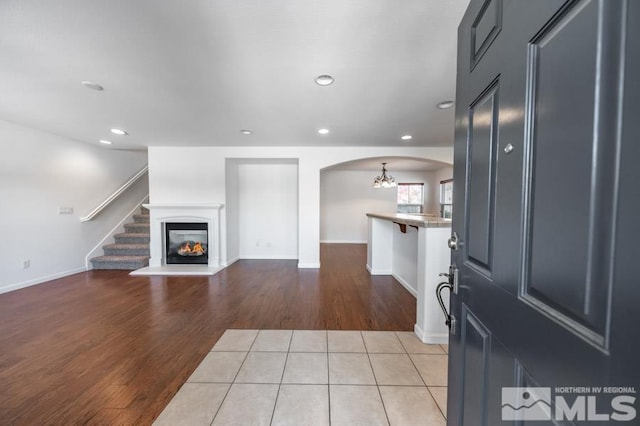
(346,193)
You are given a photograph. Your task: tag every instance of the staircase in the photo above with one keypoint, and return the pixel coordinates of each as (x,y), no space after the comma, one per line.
(131,248)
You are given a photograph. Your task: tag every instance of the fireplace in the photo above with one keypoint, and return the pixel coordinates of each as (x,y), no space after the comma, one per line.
(190,214)
(186,243)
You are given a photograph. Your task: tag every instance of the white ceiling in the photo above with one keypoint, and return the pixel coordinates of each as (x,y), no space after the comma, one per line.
(196,72)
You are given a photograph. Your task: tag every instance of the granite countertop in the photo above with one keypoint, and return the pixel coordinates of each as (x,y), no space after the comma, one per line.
(424,221)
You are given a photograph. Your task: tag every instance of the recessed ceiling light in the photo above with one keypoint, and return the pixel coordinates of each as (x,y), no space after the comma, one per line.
(91,85)
(246,132)
(104,141)
(324,80)
(446,104)
(119,132)
(406,137)
(323,131)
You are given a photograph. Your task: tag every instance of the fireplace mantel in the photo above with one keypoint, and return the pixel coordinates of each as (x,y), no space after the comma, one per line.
(180,206)
(160,213)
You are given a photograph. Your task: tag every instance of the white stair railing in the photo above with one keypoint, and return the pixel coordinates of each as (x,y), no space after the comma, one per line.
(115,195)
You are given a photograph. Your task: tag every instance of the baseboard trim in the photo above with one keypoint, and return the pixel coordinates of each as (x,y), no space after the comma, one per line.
(41,280)
(311,265)
(431,338)
(378,271)
(405,284)
(230,262)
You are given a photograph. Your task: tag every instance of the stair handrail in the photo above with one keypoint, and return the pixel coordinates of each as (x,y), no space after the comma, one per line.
(115,194)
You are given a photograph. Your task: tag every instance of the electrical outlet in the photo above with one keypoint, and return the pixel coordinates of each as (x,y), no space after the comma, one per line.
(268,243)
(65,210)
(26,264)
(258,243)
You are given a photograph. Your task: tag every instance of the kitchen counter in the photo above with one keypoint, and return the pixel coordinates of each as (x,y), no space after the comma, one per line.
(421,220)
(413,249)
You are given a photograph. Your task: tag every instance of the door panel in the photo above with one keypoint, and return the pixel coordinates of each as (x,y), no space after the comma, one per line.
(548,293)
(557,191)
(524,380)
(481,147)
(487,366)
(476,349)
(485,29)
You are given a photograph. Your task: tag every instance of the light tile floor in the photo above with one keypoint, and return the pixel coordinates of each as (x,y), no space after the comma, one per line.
(311,377)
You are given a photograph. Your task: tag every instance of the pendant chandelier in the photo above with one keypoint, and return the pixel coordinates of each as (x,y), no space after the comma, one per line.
(384,180)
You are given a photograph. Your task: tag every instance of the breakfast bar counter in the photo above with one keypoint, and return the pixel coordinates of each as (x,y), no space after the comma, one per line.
(413,249)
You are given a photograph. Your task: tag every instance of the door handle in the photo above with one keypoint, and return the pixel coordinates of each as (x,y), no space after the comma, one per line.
(450,321)
(453,241)
(452,278)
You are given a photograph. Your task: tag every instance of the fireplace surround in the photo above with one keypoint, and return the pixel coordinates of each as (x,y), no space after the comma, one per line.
(160,216)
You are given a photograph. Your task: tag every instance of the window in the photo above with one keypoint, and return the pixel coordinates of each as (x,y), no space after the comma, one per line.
(410,197)
(446,198)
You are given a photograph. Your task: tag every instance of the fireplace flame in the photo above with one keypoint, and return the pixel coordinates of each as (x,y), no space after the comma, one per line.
(187,250)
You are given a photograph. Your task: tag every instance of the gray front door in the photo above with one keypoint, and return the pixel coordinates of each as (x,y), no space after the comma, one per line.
(547,213)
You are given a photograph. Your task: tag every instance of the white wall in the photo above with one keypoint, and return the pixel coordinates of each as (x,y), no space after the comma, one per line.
(168,185)
(232,211)
(40,172)
(405,257)
(267,210)
(347,196)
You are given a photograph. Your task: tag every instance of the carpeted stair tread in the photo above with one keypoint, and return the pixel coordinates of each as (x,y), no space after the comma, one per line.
(142,228)
(141,218)
(133,235)
(132,238)
(127,246)
(121,258)
(120,262)
(126,249)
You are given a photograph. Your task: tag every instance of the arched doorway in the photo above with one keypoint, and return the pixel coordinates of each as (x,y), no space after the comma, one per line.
(347,195)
